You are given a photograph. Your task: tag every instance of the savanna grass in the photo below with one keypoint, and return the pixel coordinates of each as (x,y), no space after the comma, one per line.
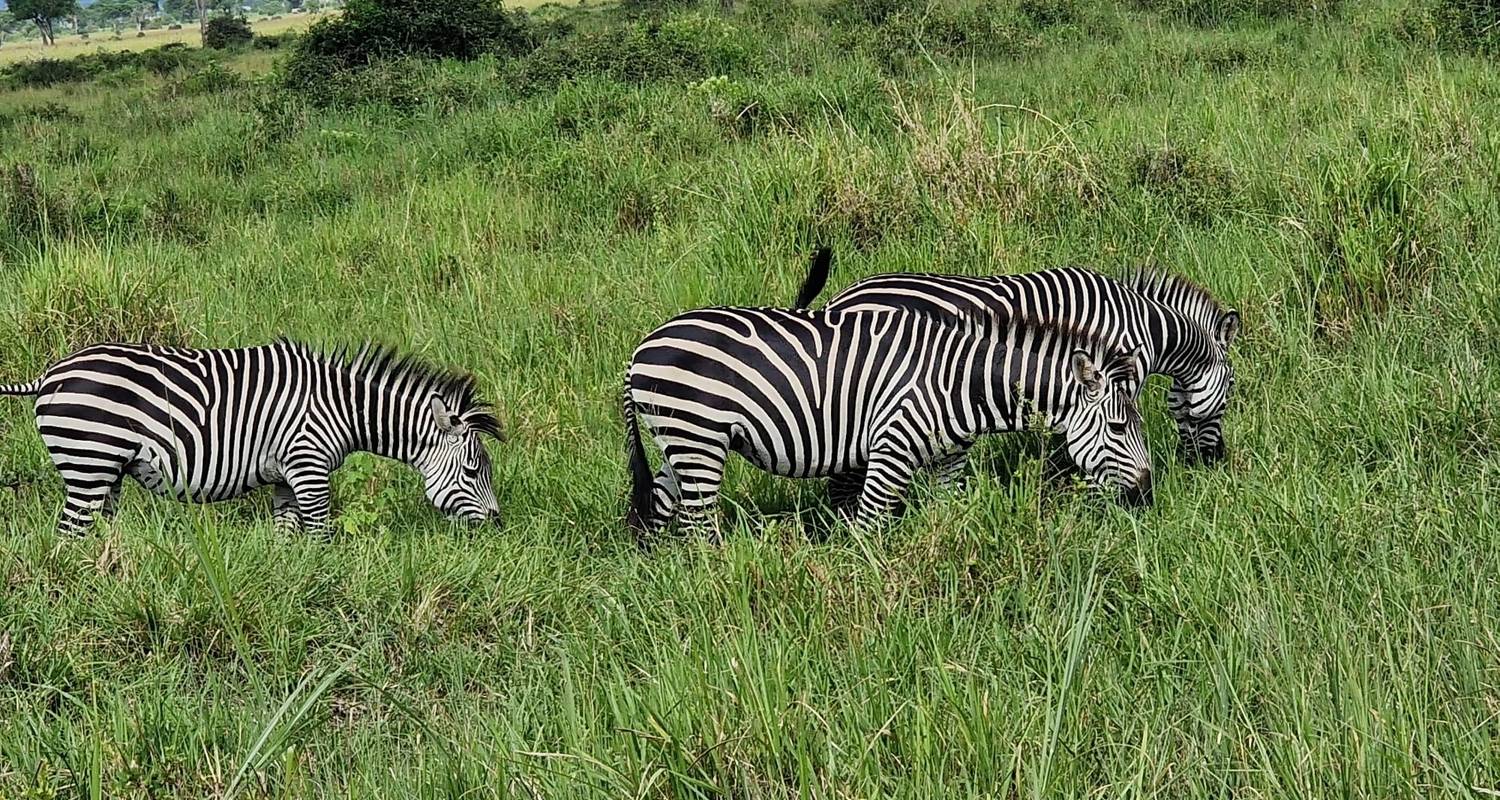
(1317,617)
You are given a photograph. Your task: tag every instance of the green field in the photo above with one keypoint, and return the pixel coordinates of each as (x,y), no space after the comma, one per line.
(1317,617)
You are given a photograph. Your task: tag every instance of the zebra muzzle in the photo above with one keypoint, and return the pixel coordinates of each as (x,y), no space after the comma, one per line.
(1141,494)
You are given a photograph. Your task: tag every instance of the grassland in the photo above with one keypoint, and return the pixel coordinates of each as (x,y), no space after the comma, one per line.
(72,45)
(1315,618)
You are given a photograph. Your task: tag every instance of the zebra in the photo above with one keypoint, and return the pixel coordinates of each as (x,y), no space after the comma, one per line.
(813,393)
(204,425)
(1183,332)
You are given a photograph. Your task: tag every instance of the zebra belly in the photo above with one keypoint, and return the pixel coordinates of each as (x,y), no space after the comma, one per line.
(162,474)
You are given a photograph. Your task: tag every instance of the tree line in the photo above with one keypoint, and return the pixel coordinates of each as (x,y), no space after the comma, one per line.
(115,15)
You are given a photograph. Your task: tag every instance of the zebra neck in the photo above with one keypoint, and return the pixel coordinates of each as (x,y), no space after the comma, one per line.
(369,411)
(1026,387)
(1180,346)
(1009,395)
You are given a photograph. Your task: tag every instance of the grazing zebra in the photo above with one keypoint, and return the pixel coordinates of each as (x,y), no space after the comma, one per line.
(1183,333)
(209,425)
(812,393)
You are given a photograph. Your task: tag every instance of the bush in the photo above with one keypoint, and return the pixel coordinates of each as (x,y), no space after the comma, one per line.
(864,12)
(1462,26)
(693,47)
(224,33)
(1219,12)
(45,72)
(1372,231)
(900,34)
(1192,184)
(327,61)
(275,41)
(374,30)
(643,7)
(48,72)
(398,84)
(212,79)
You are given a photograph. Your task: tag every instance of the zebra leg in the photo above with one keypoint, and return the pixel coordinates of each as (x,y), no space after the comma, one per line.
(886,482)
(844,489)
(665,495)
(82,504)
(951,472)
(699,472)
(309,485)
(285,515)
(112,500)
(90,483)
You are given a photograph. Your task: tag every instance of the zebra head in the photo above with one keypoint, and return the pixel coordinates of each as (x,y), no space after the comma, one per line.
(1102,426)
(1197,401)
(454,463)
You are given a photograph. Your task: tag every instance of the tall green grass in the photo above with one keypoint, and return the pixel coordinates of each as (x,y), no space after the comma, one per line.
(1315,618)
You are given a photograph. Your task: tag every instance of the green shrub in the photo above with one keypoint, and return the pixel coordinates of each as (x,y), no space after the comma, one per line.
(275,41)
(374,30)
(397,84)
(1371,228)
(212,79)
(1462,26)
(642,7)
(49,72)
(1219,12)
(169,58)
(224,33)
(865,12)
(44,72)
(692,46)
(328,60)
(1192,184)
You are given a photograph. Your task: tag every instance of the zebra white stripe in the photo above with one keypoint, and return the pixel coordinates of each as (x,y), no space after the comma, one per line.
(1183,332)
(210,425)
(811,393)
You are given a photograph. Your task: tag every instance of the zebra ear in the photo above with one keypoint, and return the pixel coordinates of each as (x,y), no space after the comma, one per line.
(1229,327)
(1087,372)
(446,420)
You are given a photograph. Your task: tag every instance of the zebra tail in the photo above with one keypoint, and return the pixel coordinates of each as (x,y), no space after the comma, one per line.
(817,277)
(638,518)
(21,389)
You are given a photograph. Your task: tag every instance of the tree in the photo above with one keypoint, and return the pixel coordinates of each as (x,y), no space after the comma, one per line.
(179,9)
(112,13)
(42,12)
(7,24)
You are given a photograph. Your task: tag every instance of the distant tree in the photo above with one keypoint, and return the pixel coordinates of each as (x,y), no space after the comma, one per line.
(224,32)
(43,12)
(7,24)
(111,13)
(179,9)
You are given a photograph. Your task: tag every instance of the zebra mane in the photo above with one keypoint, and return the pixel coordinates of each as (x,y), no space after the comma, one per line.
(1075,336)
(459,389)
(1181,295)
(983,323)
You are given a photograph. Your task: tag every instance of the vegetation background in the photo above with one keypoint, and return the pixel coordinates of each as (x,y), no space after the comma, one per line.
(526,194)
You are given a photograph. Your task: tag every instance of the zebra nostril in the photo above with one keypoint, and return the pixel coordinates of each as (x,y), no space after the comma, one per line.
(1142,493)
